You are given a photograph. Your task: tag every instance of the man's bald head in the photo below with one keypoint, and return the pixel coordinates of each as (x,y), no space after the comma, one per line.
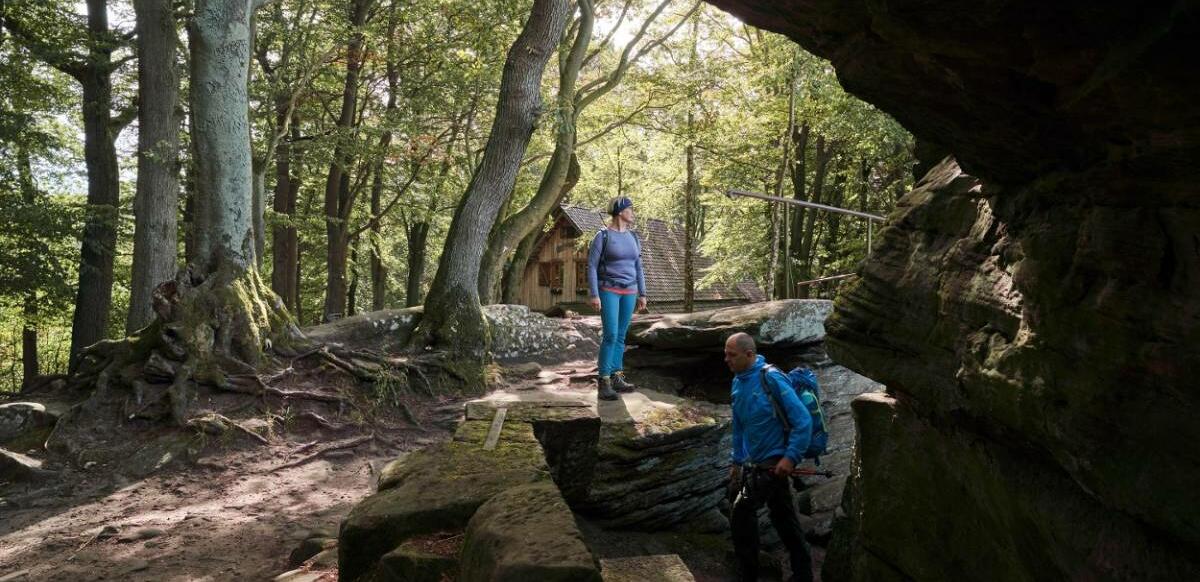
(740,352)
(742,341)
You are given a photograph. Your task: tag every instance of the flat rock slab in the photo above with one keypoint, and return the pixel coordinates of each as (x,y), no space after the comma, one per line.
(532,405)
(660,568)
(523,534)
(436,489)
(789,322)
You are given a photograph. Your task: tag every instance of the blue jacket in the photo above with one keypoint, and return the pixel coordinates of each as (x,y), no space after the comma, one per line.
(757,434)
(621,265)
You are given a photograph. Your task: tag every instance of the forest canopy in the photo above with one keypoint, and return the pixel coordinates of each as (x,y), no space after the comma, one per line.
(368,120)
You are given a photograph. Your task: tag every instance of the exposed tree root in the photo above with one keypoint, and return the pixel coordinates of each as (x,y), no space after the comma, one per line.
(336,445)
(215,424)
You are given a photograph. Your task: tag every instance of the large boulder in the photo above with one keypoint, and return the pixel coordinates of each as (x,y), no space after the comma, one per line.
(662,463)
(526,533)
(784,323)
(15,467)
(437,489)
(1040,289)
(25,425)
(520,334)
(387,331)
(839,387)
(517,333)
(974,334)
(1008,513)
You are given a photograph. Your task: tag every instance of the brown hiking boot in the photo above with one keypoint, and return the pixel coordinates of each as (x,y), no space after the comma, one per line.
(620,384)
(605,389)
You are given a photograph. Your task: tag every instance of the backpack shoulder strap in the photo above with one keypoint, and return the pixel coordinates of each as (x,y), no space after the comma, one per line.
(779,414)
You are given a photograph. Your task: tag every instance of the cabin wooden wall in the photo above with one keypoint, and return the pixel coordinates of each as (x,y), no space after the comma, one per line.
(558,247)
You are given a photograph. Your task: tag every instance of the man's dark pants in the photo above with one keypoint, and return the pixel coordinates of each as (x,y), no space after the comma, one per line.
(776,492)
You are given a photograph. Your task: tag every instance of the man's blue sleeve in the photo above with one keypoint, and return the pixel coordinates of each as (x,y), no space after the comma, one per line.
(738,454)
(798,417)
(593,264)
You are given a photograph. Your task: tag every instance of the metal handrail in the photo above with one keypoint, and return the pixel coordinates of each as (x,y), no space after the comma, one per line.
(822,279)
(804,203)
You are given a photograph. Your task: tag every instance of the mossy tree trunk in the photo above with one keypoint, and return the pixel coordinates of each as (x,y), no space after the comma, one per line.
(216,319)
(453,316)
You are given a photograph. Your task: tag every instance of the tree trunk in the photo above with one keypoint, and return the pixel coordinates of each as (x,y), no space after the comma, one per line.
(514,274)
(285,254)
(220,36)
(776,289)
(337,191)
(833,220)
(453,316)
(807,248)
(155,242)
(799,175)
(510,286)
(352,293)
(94,299)
(258,202)
(418,238)
(691,185)
(783,244)
(188,224)
(29,326)
(379,272)
(506,236)
(216,317)
(689,223)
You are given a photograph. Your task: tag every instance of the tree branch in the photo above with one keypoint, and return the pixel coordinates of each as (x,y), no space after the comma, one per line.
(608,38)
(602,85)
(68,62)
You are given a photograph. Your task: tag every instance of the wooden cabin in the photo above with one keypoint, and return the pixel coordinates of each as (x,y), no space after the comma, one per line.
(556,274)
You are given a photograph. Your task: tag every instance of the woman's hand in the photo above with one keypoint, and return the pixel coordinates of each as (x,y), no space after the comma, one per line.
(641,304)
(595,303)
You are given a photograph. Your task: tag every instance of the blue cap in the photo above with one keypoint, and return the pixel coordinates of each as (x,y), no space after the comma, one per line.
(618,204)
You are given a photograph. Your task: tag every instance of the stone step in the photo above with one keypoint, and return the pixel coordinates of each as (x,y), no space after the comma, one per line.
(659,568)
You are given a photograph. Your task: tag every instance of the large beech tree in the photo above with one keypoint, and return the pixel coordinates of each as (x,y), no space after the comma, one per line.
(217,317)
(453,316)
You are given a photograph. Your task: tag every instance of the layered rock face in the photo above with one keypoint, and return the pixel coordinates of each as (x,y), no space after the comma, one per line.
(1034,304)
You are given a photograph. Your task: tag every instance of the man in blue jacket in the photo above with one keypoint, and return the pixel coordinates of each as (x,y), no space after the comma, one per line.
(764,455)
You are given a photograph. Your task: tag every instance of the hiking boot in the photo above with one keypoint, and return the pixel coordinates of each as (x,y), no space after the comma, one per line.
(620,384)
(604,388)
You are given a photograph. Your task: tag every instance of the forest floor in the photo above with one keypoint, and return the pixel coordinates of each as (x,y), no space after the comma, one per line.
(239,510)
(233,513)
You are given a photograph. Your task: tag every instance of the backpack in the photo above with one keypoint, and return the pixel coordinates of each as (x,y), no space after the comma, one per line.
(804,381)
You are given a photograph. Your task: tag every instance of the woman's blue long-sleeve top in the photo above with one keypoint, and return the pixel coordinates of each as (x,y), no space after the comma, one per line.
(621,266)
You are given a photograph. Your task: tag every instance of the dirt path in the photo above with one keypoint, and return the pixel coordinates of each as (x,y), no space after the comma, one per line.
(229,517)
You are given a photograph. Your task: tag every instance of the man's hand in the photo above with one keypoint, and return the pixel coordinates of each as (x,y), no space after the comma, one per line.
(595,303)
(784,467)
(641,304)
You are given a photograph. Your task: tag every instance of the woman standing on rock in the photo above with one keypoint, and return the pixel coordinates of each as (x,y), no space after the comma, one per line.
(617,286)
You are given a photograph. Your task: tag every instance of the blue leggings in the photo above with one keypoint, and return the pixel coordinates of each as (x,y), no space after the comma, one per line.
(615,312)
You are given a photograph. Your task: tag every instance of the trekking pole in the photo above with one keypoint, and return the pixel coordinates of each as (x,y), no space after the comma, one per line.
(813,472)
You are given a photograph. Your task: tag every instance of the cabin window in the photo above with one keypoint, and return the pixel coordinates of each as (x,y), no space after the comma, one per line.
(550,274)
(581,278)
